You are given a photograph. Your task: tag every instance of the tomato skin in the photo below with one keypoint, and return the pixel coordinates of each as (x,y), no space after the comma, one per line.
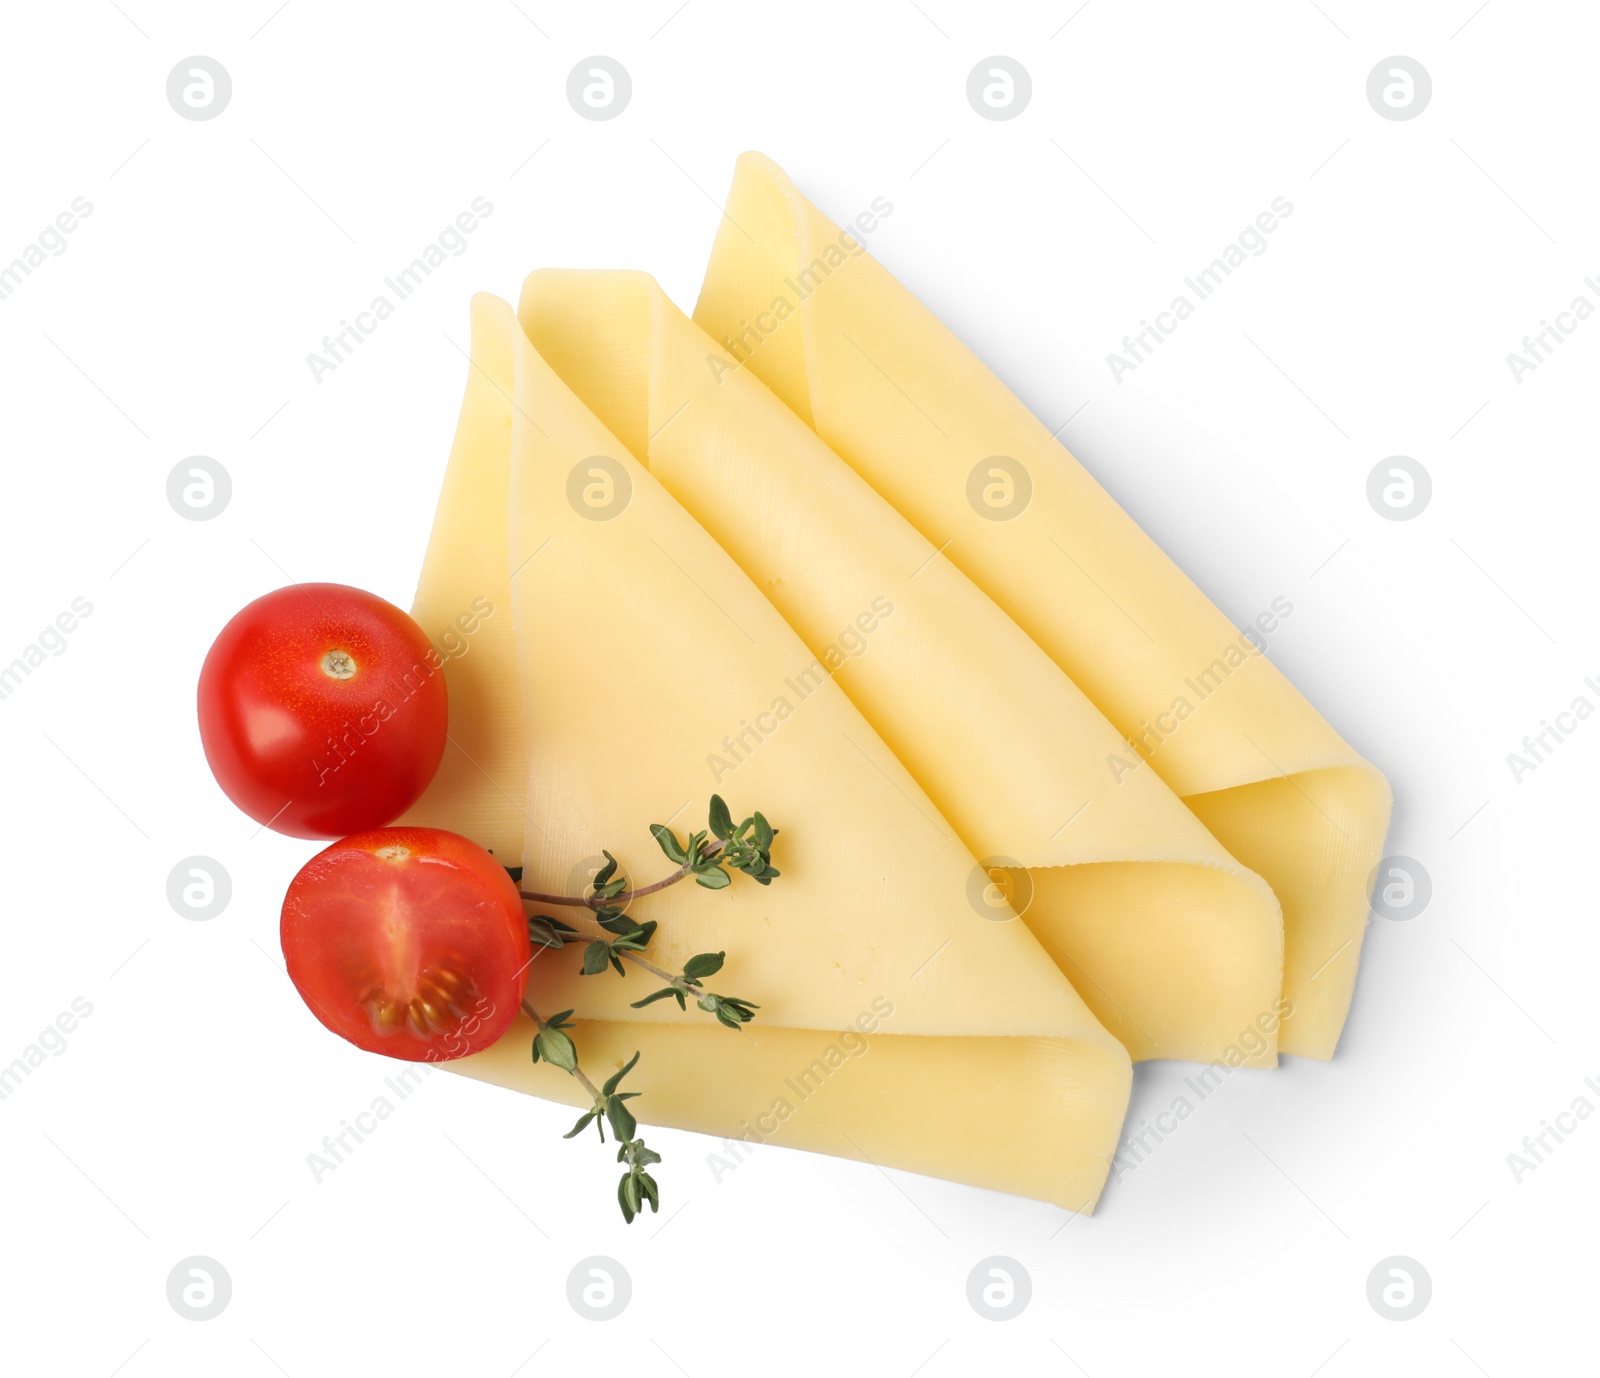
(303,750)
(411,942)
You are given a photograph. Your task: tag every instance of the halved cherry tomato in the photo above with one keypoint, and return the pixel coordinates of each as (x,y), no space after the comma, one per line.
(322,710)
(408,941)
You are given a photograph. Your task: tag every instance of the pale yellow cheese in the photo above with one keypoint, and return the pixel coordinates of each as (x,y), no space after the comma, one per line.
(858,358)
(917,1030)
(463,604)
(1175,947)
(1020,1115)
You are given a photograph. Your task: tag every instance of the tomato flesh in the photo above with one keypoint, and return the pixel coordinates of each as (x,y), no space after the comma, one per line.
(408,941)
(322,710)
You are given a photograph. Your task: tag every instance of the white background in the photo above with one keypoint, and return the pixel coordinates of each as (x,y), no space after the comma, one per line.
(179,1117)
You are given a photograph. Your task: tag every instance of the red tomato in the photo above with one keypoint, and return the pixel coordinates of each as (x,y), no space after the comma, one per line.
(408,941)
(322,710)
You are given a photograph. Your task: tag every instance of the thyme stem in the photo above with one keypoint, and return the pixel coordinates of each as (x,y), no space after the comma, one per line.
(640,960)
(617,901)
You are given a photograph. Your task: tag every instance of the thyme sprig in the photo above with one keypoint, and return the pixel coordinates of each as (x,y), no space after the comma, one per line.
(747,847)
(553,1044)
(728,1010)
(618,939)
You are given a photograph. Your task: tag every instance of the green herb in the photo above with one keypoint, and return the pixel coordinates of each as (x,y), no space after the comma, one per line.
(746,847)
(552,1044)
(682,988)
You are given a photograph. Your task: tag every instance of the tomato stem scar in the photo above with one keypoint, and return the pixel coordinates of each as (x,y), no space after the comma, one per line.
(338,665)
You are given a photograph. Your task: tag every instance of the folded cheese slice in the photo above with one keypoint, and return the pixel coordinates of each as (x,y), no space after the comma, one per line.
(896,1025)
(856,356)
(1176,948)
(463,603)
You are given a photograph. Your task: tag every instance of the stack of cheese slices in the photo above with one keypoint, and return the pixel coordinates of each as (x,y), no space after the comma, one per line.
(847,578)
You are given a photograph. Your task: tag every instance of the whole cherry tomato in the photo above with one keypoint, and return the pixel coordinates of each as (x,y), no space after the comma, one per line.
(408,941)
(322,710)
